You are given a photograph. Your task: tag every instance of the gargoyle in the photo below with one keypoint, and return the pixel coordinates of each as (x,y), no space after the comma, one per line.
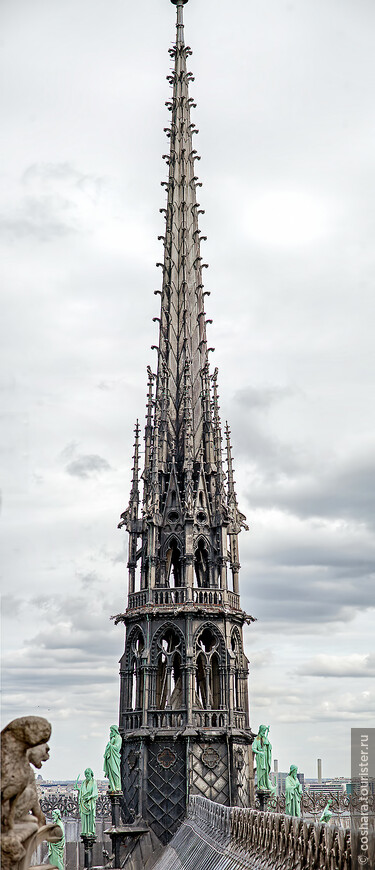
(22,821)
(28,801)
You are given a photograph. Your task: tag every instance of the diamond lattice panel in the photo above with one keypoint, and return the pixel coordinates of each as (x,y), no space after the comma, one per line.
(209,774)
(130,779)
(242,774)
(166,788)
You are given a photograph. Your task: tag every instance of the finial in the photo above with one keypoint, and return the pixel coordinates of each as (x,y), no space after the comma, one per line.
(180,22)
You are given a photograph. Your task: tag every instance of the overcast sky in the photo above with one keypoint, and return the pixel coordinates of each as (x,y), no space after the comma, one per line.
(285,94)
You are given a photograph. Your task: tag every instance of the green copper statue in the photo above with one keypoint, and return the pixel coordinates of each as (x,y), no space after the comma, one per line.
(87,797)
(262,750)
(112,759)
(326,814)
(56,850)
(293,793)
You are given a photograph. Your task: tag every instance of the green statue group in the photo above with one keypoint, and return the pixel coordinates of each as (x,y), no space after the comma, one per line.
(262,749)
(88,795)
(88,790)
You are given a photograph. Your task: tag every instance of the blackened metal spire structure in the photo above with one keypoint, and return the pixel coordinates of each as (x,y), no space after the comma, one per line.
(184,712)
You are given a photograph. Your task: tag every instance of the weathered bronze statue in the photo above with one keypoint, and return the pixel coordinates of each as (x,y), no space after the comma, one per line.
(87,797)
(293,793)
(112,759)
(56,850)
(262,749)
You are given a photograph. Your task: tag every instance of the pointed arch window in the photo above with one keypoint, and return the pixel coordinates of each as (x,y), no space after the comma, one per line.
(207,672)
(201,567)
(136,674)
(169,672)
(235,642)
(173,564)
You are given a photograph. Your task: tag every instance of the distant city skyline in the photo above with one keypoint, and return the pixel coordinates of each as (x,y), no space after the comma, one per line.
(284,96)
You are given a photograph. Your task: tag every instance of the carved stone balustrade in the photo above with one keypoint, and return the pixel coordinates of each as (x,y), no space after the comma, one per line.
(165,596)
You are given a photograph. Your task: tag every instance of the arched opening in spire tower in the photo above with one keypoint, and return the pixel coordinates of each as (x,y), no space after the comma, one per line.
(169,673)
(136,677)
(236,649)
(173,564)
(207,673)
(201,565)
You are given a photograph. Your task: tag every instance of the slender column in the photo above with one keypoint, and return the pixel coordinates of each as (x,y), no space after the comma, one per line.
(189,692)
(88,842)
(222,688)
(189,568)
(141,776)
(146,683)
(114,833)
(208,691)
(168,694)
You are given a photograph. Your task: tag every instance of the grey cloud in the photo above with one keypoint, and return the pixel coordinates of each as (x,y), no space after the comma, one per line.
(44,218)
(118,558)
(86,613)
(78,646)
(69,451)
(260,658)
(90,579)
(50,209)
(317,705)
(85,645)
(269,457)
(47,173)
(303,595)
(346,490)
(87,466)
(354,665)
(11,606)
(261,398)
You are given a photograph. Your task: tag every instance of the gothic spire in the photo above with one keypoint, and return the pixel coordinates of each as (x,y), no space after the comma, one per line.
(183,697)
(182,328)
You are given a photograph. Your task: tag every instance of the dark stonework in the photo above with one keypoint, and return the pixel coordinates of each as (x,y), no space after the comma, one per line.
(88,843)
(184,711)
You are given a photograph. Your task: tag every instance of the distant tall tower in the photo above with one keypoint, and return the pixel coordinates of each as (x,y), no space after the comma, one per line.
(184,712)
